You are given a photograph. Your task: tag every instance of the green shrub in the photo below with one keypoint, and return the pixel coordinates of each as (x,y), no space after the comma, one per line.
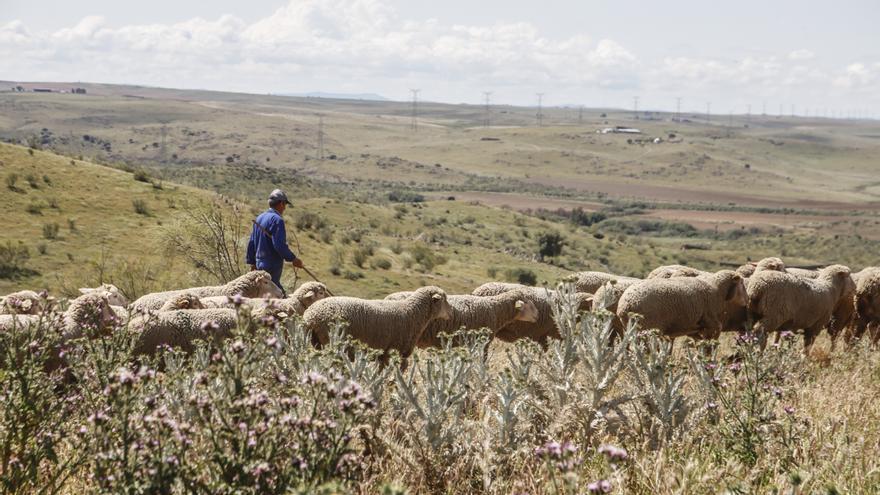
(13,260)
(141,175)
(35,208)
(12,181)
(381,263)
(307,220)
(397,196)
(140,207)
(521,276)
(550,244)
(425,256)
(50,230)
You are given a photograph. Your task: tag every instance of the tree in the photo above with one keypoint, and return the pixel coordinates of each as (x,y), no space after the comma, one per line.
(212,238)
(550,244)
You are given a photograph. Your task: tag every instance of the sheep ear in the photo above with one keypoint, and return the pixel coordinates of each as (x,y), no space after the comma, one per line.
(519,305)
(309,295)
(437,297)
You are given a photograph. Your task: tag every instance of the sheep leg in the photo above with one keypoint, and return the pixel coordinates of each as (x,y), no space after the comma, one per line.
(810,335)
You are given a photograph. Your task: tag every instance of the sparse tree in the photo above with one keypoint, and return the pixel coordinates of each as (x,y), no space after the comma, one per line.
(212,238)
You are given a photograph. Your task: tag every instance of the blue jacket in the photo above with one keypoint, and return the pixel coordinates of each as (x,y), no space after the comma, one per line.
(269,253)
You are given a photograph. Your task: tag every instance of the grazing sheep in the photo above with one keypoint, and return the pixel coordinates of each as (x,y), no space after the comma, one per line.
(297,303)
(255,284)
(545,327)
(867,305)
(783,301)
(384,325)
(771,263)
(24,302)
(476,312)
(590,282)
(800,272)
(674,271)
(180,328)
(114,295)
(607,297)
(185,300)
(696,306)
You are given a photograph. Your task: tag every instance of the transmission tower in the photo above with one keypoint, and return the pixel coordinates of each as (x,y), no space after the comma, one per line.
(164,133)
(708,111)
(635,107)
(581,114)
(678,109)
(488,109)
(320,137)
(749,115)
(540,115)
(764,109)
(415,109)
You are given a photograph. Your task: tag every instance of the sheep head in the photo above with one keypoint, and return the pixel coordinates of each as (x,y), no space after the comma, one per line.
(186,300)
(436,297)
(256,284)
(114,295)
(772,263)
(310,292)
(526,311)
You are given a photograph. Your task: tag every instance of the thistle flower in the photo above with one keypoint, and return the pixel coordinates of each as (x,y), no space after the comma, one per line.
(614,454)
(789,410)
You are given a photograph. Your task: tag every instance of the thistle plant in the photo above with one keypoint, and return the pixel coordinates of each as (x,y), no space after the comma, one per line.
(661,385)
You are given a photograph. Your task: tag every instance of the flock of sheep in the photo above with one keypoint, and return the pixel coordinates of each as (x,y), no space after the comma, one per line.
(676,300)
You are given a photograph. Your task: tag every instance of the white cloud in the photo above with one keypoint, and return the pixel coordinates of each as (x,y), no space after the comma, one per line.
(363,45)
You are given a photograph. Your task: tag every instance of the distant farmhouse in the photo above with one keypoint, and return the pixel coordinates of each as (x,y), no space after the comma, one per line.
(22,89)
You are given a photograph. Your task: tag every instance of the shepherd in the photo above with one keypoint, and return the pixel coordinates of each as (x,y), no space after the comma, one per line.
(267,248)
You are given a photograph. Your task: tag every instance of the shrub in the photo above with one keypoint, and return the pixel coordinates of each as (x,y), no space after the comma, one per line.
(140,207)
(360,256)
(141,175)
(32,181)
(425,256)
(307,220)
(381,263)
(35,208)
(550,244)
(521,275)
(71,225)
(50,230)
(397,196)
(13,260)
(12,181)
(42,248)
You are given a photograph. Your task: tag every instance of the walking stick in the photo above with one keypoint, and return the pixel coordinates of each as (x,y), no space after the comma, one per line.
(304,268)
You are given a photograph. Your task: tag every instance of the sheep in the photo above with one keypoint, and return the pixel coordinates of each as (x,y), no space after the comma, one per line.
(296,304)
(114,295)
(476,312)
(180,328)
(185,300)
(590,282)
(867,305)
(607,297)
(383,325)
(770,263)
(694,306)
(545,327)
(784,301)
(674,271)
(803,273)
(256,283)
(24,302)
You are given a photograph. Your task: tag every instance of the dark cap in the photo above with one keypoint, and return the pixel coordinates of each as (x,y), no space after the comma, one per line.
(278,196)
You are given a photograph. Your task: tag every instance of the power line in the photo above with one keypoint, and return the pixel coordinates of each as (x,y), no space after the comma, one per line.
(415,109)
(540,115)
(488,121)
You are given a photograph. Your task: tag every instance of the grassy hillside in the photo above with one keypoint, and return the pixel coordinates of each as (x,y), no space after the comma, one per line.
(81,222)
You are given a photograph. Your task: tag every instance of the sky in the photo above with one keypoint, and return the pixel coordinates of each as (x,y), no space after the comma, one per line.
(814,57)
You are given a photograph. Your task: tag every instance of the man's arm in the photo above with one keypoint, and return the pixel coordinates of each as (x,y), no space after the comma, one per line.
(279,242)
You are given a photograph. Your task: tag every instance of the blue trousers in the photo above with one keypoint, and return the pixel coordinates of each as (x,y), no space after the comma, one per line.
(275,272)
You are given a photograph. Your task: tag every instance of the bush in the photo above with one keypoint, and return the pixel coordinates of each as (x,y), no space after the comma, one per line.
(12,181)
(307,220)
(521,276)
(425,256)
(141,175)
(32,181)
(381,263)
(405,197)
(360,256)
(35,208)
(140,207)
(550,244)
(50,230)
(13,260)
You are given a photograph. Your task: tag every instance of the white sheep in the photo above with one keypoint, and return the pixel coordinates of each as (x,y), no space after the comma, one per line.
(867,305)
(254,284)
(590,282)
(784,301)
(674,271)
(23,302)
(695,306)
(545,327)
(476,312)
(181,328)
(295,304)
(383,325)
(114,296)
